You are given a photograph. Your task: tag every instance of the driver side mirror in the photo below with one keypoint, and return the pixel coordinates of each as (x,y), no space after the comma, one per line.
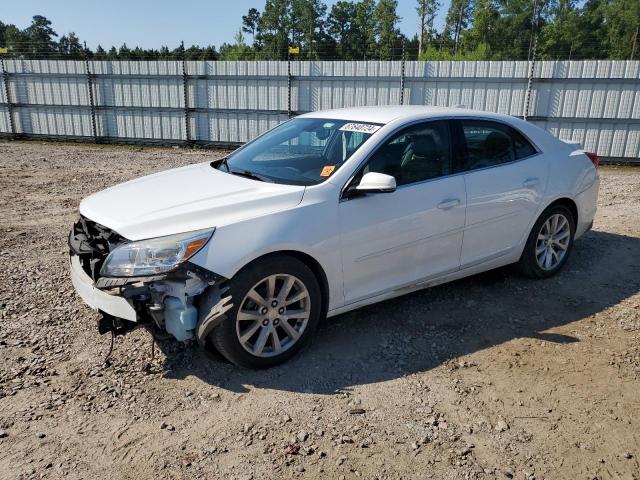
(374,182)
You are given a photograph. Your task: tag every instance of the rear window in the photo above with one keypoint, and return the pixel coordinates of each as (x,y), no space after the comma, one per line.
(492,143)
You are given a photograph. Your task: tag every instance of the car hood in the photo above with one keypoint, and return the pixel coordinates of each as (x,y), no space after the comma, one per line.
(185,199)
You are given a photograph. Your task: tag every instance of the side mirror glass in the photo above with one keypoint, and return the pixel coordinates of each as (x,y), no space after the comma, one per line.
(374,182)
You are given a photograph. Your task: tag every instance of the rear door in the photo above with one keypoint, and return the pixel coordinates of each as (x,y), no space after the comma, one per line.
(505,178)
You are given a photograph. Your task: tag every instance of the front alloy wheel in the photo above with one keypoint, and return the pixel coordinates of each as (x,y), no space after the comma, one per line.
(273,315)
(277,304)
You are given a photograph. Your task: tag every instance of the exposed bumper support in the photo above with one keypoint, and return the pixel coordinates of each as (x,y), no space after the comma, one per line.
(97,299)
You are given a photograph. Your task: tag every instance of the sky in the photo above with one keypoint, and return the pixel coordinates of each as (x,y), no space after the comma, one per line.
(153,23)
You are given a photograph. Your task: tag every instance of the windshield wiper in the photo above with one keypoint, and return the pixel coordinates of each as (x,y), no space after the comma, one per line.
(251,175)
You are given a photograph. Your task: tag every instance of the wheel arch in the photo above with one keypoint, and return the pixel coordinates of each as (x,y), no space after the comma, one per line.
(561,200)
(313,264)
(566,202)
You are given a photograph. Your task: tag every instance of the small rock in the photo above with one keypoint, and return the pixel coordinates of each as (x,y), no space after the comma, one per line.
(302,436)
(501,426)
(163,425)
(3,434)
(171,428)
(300,468)
(292,449)
(628,455)
(41,434)
(341,460)
(357,411)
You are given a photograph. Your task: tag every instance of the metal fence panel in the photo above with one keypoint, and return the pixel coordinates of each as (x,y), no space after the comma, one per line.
(4,120)
(140,124)
(52,121)
(596,102)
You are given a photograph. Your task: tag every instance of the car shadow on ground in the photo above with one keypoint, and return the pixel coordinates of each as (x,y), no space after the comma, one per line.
(422,330)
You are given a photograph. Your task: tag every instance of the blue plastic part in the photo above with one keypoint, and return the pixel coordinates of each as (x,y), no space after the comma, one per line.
(180,320)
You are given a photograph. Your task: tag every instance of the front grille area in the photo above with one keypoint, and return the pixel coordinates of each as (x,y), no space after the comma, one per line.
(92,243)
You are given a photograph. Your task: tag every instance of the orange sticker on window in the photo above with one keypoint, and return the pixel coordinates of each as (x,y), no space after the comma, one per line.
(328,170)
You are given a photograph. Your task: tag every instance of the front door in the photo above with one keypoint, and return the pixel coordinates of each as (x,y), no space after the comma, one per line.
(391,240)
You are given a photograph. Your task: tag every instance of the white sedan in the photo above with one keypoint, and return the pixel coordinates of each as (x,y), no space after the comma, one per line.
(323,214)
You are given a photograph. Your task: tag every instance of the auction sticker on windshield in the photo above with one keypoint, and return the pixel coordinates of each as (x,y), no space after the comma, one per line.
(327,170)
(360,127)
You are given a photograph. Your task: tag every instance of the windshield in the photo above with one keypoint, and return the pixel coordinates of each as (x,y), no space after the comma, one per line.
(302,151)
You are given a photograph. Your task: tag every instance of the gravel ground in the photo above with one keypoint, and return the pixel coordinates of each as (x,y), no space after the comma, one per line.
(495,376)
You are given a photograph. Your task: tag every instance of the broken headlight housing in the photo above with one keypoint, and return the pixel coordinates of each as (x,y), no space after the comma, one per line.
(154,256)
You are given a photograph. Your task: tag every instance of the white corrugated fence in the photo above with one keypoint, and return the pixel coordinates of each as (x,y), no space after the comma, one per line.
(594,102)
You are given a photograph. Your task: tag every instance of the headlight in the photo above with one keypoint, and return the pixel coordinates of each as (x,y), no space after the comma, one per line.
(153,256)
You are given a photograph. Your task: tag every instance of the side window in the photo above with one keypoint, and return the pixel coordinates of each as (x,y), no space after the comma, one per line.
(490,143)
(417,153)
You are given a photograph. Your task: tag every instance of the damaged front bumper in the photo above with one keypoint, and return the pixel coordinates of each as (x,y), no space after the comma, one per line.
(168,301)
(97,299)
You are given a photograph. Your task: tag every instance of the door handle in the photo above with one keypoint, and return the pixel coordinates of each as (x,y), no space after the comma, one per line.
(531,182)
(447,204)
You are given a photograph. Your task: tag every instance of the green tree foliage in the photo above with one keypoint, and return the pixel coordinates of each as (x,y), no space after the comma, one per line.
(250,22)
(427,11)
(342,26)
(41,37)
(484,34)
(458,19)
(368,29)
(274,28)
(307,26)
(238,51)
(622,26)
(386,29)
(69,46)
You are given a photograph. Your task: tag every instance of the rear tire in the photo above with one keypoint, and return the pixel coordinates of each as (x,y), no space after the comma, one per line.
(277,304)
(549,244)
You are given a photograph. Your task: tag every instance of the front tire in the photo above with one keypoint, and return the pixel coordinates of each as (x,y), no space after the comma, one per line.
(277,304)
(549,244)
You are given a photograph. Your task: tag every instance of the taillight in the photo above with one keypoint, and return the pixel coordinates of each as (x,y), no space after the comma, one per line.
(594,158)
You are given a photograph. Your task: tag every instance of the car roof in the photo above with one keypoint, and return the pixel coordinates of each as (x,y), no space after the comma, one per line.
(387,113)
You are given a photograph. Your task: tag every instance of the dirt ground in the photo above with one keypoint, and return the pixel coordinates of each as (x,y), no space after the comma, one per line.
(495,376)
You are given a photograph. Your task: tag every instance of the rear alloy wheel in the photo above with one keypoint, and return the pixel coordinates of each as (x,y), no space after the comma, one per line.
(553,241)
(549,243)
(277,312)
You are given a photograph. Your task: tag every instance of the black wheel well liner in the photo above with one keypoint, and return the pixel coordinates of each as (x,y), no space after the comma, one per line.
(315,267)
(566,202)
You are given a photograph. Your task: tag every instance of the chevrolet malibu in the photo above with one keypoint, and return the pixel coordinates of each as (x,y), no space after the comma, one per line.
(323,214)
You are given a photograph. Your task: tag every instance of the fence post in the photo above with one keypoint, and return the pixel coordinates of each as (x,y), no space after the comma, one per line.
(402,75)
(532,58)
(288,84)
(5,77)
(532,63)
(94,128)
(185,91)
